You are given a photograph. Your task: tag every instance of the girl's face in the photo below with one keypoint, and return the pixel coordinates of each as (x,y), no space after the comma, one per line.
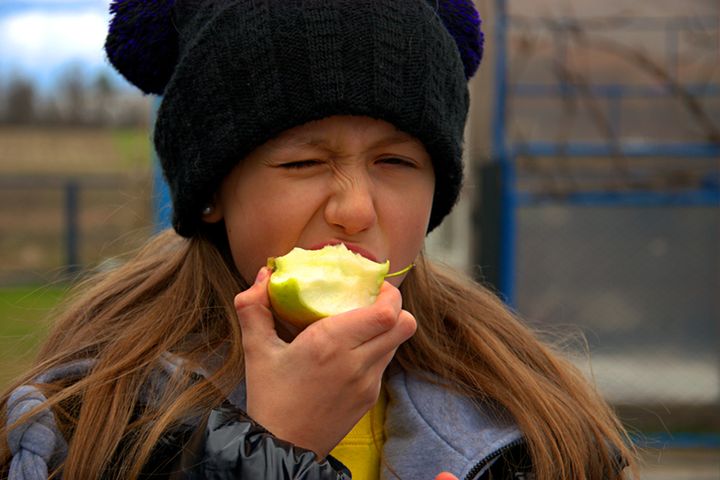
(348,179)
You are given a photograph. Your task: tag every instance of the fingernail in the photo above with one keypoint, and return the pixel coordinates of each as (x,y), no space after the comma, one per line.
(262,275)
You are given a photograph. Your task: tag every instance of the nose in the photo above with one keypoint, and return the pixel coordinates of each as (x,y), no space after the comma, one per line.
(351,206)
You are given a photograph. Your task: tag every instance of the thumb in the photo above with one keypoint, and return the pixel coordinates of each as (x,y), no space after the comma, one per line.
(257,293)
(253,312)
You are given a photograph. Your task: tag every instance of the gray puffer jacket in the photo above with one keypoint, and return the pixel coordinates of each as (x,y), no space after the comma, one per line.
(428,428)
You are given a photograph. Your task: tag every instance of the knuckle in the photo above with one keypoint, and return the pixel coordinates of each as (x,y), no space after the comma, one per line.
(239,301)
(384,316)
(392,293)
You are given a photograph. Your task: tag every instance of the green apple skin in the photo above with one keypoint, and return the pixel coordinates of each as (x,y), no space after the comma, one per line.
(286,303)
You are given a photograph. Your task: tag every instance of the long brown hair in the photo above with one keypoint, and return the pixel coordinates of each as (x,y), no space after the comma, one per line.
(176,296)
(468,337)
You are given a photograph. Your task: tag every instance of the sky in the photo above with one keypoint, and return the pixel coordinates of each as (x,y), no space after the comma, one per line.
(43,38)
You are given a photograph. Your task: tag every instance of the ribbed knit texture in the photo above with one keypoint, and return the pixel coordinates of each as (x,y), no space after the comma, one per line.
(37,446)
(248,70)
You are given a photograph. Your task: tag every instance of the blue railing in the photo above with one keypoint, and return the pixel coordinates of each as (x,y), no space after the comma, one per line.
(506,150)
(520,188)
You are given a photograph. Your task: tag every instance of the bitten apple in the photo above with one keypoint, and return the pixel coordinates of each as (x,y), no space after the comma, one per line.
(307,285)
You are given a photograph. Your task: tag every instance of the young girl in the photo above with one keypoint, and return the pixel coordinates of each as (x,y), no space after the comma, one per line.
(301,123)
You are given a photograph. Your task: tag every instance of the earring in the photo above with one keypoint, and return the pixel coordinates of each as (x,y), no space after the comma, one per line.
(207,210)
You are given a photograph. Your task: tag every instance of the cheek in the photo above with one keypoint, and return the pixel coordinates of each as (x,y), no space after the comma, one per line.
(247,221)
(411,208)
(406,227)
(242,246)
(262,224)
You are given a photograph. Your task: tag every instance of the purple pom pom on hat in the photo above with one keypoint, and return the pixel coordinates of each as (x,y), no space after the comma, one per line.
(463,22)
(142,42)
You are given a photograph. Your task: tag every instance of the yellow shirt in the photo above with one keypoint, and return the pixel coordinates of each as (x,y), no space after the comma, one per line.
(361,447)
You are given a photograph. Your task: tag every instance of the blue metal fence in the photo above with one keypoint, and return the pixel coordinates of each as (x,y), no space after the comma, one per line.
(507,150)
(644,215)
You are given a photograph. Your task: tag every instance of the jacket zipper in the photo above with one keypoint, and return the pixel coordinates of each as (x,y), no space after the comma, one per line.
(482,463)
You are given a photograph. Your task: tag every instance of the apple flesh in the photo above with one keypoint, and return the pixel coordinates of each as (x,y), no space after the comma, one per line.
(307,285)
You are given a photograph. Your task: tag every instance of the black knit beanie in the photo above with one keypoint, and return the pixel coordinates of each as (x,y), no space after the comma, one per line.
(235,73)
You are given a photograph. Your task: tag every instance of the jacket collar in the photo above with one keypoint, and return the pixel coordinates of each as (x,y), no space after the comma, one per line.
(430,429)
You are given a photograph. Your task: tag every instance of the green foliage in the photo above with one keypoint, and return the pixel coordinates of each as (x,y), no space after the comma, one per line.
(133,148)
(24,321)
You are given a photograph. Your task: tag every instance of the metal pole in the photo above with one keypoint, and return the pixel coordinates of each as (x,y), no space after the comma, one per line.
(500,80)
(671,39)
(615,100)
(72,257)
(500,152)
(162,203)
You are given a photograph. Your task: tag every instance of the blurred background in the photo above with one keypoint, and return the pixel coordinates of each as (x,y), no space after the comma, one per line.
(592,198)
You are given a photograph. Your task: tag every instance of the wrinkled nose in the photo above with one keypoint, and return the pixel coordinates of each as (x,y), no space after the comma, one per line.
(351,206)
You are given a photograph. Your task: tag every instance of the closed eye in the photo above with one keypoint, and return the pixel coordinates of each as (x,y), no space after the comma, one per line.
(299,164)
(399,161)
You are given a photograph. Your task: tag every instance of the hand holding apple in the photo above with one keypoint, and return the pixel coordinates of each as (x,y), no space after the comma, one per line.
(313,390)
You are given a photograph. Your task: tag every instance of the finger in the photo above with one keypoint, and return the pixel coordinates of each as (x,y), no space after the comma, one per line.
(254,315)
(446,476)
(356,327)
(382,347)
(390,294)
